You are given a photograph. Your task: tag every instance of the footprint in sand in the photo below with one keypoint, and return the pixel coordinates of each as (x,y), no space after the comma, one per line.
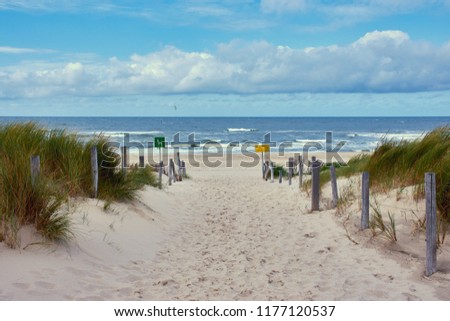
(44,285)
(22,286)
(411,297)
(166,282)
(388,278)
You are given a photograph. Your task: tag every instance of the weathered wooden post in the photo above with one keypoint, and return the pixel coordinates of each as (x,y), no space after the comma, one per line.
(179,167)
(271,172)
(315,193)
(124,151)
(94,171)
(431,224)
(291,169)
(170,174)
(263,164)
(35,163)
(161,165)
(267,170)
(300,171)
(280,175)
(172,170)
(183,164)
(365,201)
(334,189)
(141,162)
(180,173)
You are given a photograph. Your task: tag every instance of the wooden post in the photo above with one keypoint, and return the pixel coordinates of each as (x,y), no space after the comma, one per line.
(183,165)
(170,174)
(161,165)
(124,150)
(431,223)
(94,171)
(35,163)
(180,173)
(179,167)
(271,172)
(174,172)
(263,165)
(291,169)
(300,171)
(178,160)
(315,193)
(141,162)
(267,170)
(365,201)
(334,189)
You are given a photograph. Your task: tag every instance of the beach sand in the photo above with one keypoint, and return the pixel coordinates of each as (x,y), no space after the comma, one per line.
(226,234)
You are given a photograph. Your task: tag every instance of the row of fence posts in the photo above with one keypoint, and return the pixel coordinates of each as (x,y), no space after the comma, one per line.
(315,165)
(430,217)
(269,168)
(35,165)
(171,171)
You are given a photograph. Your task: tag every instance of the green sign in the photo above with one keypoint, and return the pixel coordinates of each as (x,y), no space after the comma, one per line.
(160,142)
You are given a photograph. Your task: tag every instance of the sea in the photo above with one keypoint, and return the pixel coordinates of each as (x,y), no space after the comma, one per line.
(294,134)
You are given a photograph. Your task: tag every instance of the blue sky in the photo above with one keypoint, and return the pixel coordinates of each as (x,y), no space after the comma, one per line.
(206,57)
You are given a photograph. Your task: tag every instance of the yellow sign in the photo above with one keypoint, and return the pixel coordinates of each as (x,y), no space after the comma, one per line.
(262,148)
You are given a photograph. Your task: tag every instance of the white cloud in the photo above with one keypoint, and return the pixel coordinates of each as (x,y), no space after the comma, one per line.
(15,50)
(389,37)
(380,61)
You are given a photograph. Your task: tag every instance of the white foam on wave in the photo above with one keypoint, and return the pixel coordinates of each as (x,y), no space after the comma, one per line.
(241,129)
(121,133)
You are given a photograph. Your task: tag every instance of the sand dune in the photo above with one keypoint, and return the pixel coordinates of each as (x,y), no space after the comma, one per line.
(225,234)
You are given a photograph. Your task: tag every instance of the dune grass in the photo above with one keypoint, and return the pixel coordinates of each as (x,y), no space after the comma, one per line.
(404,163)
(397,164)
(65,172)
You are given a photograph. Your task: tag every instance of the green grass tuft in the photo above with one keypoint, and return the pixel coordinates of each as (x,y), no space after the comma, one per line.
(387,230)
(279,169)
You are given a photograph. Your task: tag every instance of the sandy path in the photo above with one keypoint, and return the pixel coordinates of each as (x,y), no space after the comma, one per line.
(225,234)
(247,239)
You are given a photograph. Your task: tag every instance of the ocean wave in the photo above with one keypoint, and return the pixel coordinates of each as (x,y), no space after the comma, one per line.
(305,141)
(211,140)
(121,133)
(403,136)
(241,129)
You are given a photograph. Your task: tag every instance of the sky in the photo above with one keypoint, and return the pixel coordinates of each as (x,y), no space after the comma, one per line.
(225,58)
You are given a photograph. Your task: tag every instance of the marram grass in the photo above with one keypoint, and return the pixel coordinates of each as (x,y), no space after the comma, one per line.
(65,172)
(397,164)
(404,163)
